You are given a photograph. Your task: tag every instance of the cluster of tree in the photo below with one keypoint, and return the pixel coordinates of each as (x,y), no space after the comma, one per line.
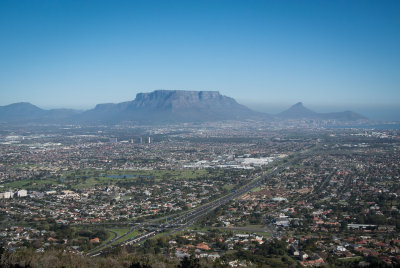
(99,233)
(54,258)
(271,254)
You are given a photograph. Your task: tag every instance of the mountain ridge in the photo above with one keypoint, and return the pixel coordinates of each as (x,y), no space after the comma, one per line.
(299,111)
(163,106)
(173,106)
(21,112)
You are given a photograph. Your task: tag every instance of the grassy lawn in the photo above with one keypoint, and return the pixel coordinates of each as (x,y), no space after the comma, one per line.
(88,178)
(106,177)
(256,189)
(233,230)
(109,237)
(161,234)
(119,231)
(29,183)
(228,187)
(134,174)
(349,259)
(252,226)
(131,235)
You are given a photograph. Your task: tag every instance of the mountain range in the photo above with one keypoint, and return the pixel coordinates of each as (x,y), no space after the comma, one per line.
(162,106)
(169,106)
(26,112)
(298,111)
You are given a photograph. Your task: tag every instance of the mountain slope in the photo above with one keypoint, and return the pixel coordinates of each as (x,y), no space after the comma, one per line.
(23,112)
(160,107)
(166,106)
(298,111)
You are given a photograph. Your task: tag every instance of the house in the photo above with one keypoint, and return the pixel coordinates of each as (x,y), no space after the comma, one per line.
(203,246)
(95,240)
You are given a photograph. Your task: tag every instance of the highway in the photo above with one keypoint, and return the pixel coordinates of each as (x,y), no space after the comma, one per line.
(179,223)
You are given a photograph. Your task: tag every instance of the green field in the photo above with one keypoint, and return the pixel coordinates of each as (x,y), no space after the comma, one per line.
(119,231)
(131,235)
(347,260)
(109,237)
(236,230)
(228,187)
(29,184)
(88,178)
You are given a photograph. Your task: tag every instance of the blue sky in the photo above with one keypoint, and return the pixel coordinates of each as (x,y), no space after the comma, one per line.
(265,54)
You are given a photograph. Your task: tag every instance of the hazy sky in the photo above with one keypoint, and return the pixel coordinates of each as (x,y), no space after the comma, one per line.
(78,53)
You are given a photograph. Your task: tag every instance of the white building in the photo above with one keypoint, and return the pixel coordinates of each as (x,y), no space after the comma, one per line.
(22,193)
(146,192)
(7,195)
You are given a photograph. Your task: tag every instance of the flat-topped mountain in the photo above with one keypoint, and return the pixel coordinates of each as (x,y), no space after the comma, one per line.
(298,111)
(160,107)
(172,106)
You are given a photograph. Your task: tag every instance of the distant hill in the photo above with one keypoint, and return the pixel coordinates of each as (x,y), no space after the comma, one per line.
(18,111)
(161,107)
(298,111)
(168,106)
(26,112)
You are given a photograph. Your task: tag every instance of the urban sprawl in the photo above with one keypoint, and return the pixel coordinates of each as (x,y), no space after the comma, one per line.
(213,195)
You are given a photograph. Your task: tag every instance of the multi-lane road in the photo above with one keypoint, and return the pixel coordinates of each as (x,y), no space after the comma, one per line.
(180,222)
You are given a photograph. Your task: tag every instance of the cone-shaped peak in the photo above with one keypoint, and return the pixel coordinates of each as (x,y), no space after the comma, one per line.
(299,104)
(297,111)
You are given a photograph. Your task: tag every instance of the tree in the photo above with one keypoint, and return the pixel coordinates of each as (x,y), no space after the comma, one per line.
(140,265)
(189,262)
